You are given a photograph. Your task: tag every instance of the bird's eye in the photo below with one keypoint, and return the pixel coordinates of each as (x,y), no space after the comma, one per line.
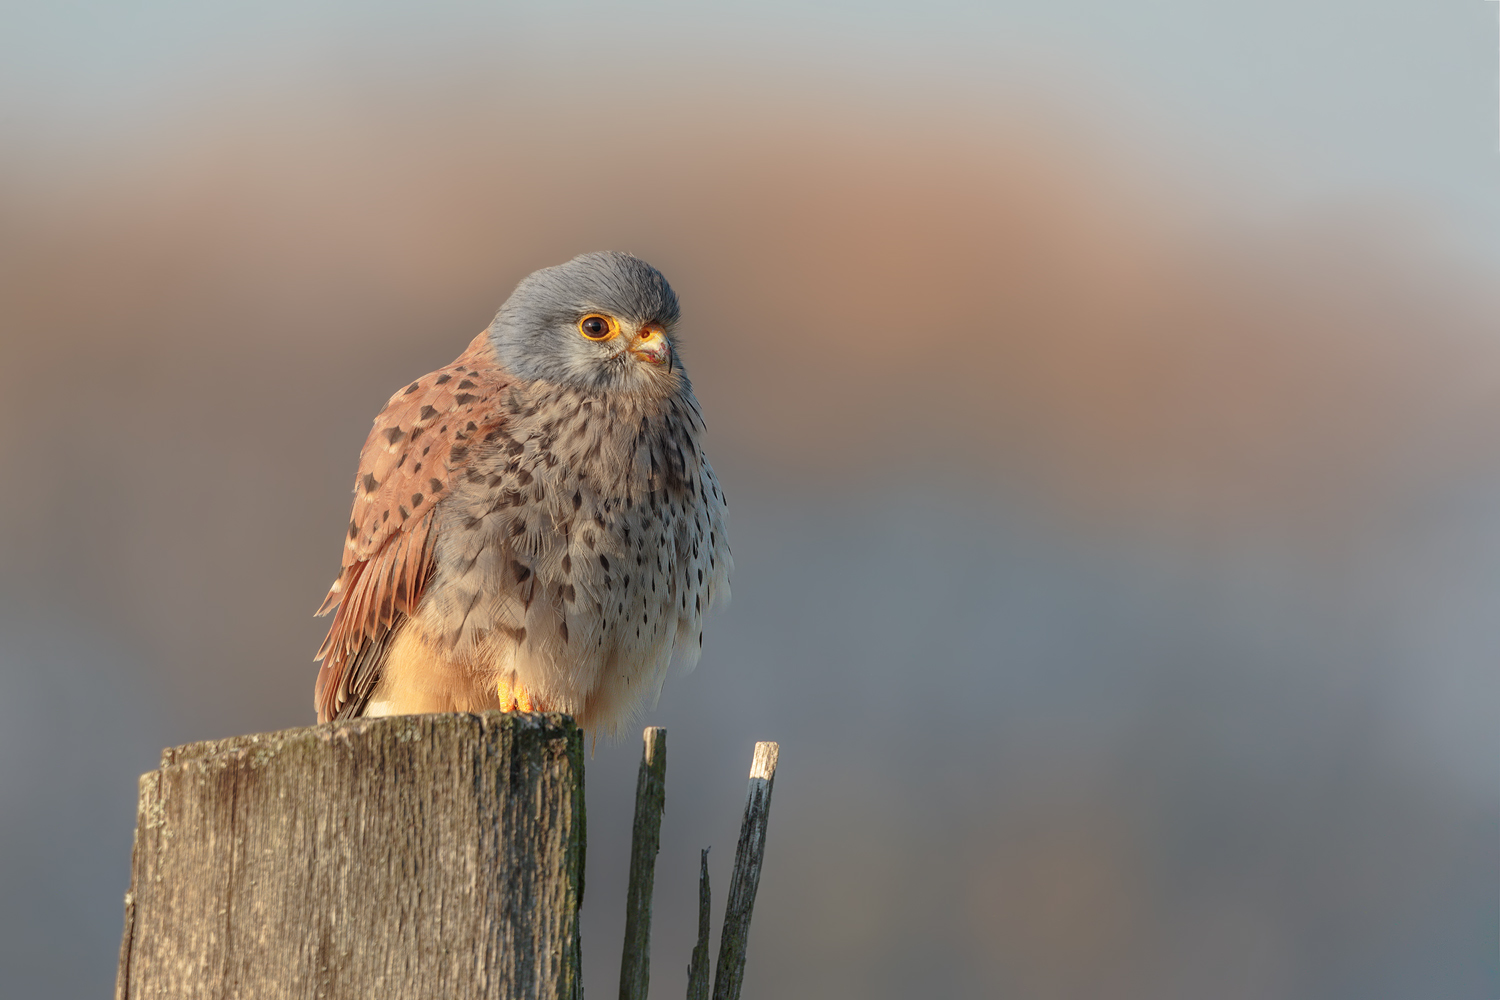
(596,326)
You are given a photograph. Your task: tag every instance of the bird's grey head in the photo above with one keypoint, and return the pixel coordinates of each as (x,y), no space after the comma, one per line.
(601,322)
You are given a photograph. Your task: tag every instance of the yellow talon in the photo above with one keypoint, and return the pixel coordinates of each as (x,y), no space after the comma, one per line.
(513,697)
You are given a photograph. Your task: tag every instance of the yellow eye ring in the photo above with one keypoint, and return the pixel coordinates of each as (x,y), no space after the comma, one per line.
(597,326)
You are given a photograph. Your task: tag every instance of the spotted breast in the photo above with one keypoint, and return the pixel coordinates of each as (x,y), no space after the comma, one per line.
(545,543)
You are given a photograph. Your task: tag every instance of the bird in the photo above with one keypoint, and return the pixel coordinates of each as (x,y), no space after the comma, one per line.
(536,526)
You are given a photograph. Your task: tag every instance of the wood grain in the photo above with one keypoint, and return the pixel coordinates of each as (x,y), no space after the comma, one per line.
(697,988)
(729,972)
(408,856)
(645,842)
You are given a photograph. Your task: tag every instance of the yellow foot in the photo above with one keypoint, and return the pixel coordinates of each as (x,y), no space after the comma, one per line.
(513,697)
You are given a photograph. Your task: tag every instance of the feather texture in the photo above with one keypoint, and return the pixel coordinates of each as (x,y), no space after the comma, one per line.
(537,522)
(405,469)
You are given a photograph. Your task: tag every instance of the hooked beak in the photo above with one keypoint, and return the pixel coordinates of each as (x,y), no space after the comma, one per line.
(650,345)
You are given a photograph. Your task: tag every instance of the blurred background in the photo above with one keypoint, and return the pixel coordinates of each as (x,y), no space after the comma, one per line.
(1107,397)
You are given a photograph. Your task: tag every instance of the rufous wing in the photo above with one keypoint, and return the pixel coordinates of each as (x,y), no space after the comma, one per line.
(419,445)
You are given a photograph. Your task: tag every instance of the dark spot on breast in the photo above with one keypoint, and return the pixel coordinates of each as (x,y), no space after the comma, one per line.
(459,453)
(444,379)
(567,561)
(700,576)
(577,499)
(523,478)
(435,486)
(588,539)
(411,388)
(464,398)
(568,593)
(521,571)
(519,528)
(353,531)
(514,447)
(401,461)
(471,427)
(416,468)
(562,629)
(370,483)
(394,434)
(404,512)
(385,515)
(604,561)
(416,432)
(466,384)
(426,413)
(416,499)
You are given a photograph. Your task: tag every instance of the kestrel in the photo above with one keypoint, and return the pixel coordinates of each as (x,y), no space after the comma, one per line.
(535,526)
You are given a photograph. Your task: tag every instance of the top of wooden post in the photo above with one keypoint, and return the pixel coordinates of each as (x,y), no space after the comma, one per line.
(430,855)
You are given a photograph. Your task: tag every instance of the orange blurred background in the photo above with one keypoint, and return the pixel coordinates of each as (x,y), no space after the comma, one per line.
(1116,533)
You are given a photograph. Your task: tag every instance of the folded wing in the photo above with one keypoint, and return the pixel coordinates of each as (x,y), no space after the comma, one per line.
(414,453)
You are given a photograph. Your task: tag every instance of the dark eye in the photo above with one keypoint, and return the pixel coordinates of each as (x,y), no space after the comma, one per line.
(597,327)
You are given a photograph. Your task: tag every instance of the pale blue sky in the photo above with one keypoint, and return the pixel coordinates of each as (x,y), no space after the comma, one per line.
(1331,97)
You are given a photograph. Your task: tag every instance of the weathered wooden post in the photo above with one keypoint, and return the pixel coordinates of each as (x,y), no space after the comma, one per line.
(645,842)
(413,856)
(749,853)
(698,965)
